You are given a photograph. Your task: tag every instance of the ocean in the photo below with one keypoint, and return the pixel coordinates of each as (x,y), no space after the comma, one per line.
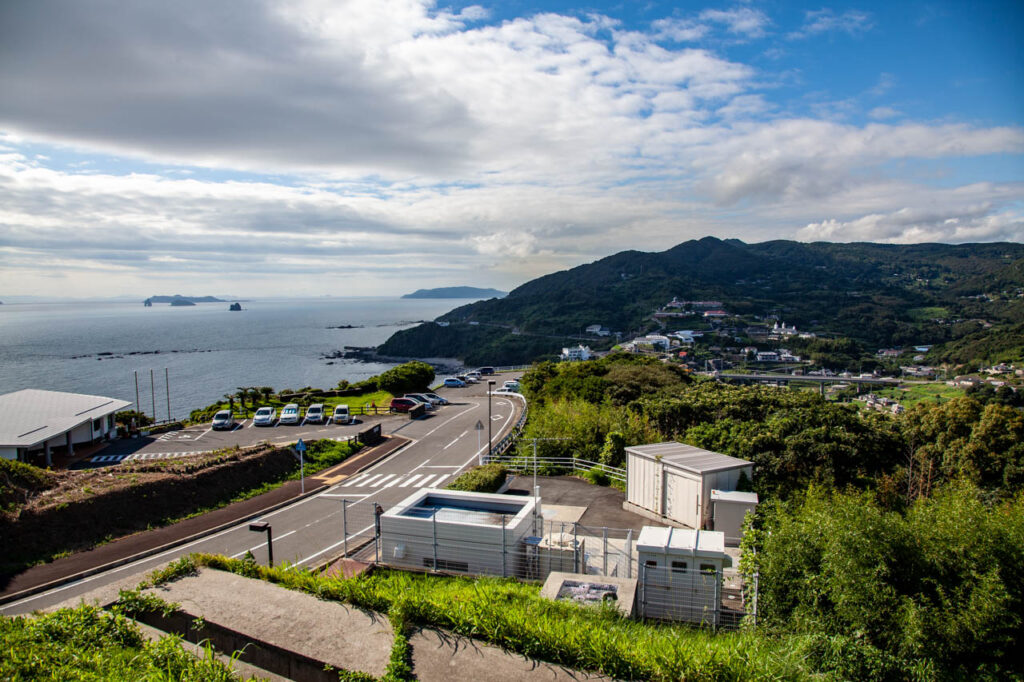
(206,349)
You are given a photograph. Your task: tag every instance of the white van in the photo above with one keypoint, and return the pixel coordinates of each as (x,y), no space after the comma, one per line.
(342,415)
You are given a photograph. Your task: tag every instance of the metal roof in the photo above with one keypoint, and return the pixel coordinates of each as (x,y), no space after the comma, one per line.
(734,496)
(681,540)
(689,457)
(31,416)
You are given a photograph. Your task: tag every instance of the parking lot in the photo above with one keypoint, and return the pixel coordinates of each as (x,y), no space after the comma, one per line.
(202,438)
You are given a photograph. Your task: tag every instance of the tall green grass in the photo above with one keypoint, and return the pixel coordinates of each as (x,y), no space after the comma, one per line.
(513,615)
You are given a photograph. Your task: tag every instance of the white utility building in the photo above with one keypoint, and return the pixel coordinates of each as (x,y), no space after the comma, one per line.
(32,420)
(730,508)
(672,482)
(681,574)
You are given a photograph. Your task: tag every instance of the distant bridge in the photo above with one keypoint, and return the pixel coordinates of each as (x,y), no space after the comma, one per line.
(810,378)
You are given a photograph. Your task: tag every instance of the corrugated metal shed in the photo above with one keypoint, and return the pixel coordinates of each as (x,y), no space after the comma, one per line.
(689,457)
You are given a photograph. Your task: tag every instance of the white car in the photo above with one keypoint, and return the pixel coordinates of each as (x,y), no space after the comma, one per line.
(341,415)
(420,398)
(436,399)
(223,420)
(290,414)
(510,386)
(315,413)
(265,416)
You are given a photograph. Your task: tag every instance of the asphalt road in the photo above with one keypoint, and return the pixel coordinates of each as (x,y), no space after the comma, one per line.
(311,530)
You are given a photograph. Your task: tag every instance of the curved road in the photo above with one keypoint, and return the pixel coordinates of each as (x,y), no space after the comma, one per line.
(309,531)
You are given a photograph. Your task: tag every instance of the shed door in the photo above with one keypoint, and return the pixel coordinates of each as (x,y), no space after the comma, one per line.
(681,499)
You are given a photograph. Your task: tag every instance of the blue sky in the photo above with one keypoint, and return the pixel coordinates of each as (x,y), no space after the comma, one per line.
(315,146)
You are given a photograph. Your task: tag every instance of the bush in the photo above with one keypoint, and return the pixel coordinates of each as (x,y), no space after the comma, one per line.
(20,481)
(411,376)
(483,479)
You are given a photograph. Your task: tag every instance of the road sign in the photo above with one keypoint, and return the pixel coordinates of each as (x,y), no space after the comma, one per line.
(479,425)
(300,446)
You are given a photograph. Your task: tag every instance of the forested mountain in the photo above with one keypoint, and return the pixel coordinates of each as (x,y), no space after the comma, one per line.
(878,294)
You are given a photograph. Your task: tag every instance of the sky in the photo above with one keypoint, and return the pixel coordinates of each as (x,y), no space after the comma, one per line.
(375,147)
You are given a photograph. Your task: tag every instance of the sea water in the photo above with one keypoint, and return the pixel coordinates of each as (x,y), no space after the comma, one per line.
(205,351)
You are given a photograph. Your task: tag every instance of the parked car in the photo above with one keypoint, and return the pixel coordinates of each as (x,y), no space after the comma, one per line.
(223,420)
(438,400)
(290,414)
(315,413)
(341,415)
(420,398)
(453,382)
(475,376)
(510,386)
(466,379)
(403,404)
(486,371)
(265,416)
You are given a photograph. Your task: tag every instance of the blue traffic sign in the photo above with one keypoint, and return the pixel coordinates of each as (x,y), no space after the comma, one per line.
(300,446)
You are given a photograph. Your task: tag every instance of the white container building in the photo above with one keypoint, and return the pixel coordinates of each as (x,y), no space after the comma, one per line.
(730,508)
(681,574)
(672,482)
(462,532)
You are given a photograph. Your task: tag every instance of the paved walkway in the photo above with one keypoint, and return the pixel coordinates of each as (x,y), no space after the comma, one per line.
(141,544)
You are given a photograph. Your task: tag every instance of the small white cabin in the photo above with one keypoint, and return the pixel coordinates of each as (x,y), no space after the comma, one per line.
(680,574)
(730,507)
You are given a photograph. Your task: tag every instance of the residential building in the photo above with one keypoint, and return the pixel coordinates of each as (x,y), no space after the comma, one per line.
(577,353)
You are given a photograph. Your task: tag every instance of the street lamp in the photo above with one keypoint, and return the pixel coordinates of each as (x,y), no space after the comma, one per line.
(264,527)
(490,389)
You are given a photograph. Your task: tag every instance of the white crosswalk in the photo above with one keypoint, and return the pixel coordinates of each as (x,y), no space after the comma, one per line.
(144,456)
(381,481)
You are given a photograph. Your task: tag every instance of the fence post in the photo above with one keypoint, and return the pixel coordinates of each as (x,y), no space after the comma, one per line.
(575,548)
(344,525)
(504,572)
(719,576)
(561,541)
(433,526)
(629,554)
(604,562)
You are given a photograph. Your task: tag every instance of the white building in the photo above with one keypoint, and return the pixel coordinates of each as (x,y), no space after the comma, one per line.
(598,330)
(767,356)
(681,574)
(655,341)
(673,481)
(456,531)
(33,421)
(575,353)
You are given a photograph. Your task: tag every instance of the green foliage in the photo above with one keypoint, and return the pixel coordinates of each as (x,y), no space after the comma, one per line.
(128,417)
(482,479)
(936,590)
(513,615)
(20,481)
(876,295)
(86,643)
(411,376)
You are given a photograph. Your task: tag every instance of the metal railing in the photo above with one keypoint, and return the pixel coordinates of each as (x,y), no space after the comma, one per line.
(547,465)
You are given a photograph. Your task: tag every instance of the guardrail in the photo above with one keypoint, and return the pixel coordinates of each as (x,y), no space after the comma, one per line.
(505,443)
(527,463)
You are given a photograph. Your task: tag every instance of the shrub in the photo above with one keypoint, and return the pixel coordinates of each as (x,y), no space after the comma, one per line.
(483,479)
(20,481)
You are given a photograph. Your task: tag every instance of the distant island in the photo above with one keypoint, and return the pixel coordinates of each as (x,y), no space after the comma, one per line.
(178,300)
(235,307)
(457,292)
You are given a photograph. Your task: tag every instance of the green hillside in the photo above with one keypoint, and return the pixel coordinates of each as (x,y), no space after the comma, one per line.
(878,294)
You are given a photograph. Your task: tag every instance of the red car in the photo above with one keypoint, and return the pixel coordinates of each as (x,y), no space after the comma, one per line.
(403,404)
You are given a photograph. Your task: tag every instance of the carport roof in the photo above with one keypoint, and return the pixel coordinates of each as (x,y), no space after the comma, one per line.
(689,457)
(31,416)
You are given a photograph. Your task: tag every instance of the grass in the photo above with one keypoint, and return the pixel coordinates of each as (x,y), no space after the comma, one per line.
(925,314)
(933,392)
(87,643)
(514,616)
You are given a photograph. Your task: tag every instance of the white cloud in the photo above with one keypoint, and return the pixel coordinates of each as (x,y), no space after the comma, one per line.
(911,226)
(742,20)
(852,22)
(883,113)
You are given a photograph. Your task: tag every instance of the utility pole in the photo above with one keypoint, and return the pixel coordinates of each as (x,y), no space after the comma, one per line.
(152,393)
(167,384)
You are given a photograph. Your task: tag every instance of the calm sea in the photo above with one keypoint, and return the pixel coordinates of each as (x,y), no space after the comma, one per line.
(207,350)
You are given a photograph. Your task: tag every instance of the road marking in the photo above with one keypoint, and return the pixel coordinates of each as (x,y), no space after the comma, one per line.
(442,466)
(407,482)
(423,464)
(381,481)
(345,496)
(263,544)
(336,544)
(391,483)
(241,425)
(456,440)
(204,433)
(497,417)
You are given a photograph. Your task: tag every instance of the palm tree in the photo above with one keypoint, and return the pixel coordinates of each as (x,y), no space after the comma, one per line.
(266,392)
(230,397)
(242,393)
